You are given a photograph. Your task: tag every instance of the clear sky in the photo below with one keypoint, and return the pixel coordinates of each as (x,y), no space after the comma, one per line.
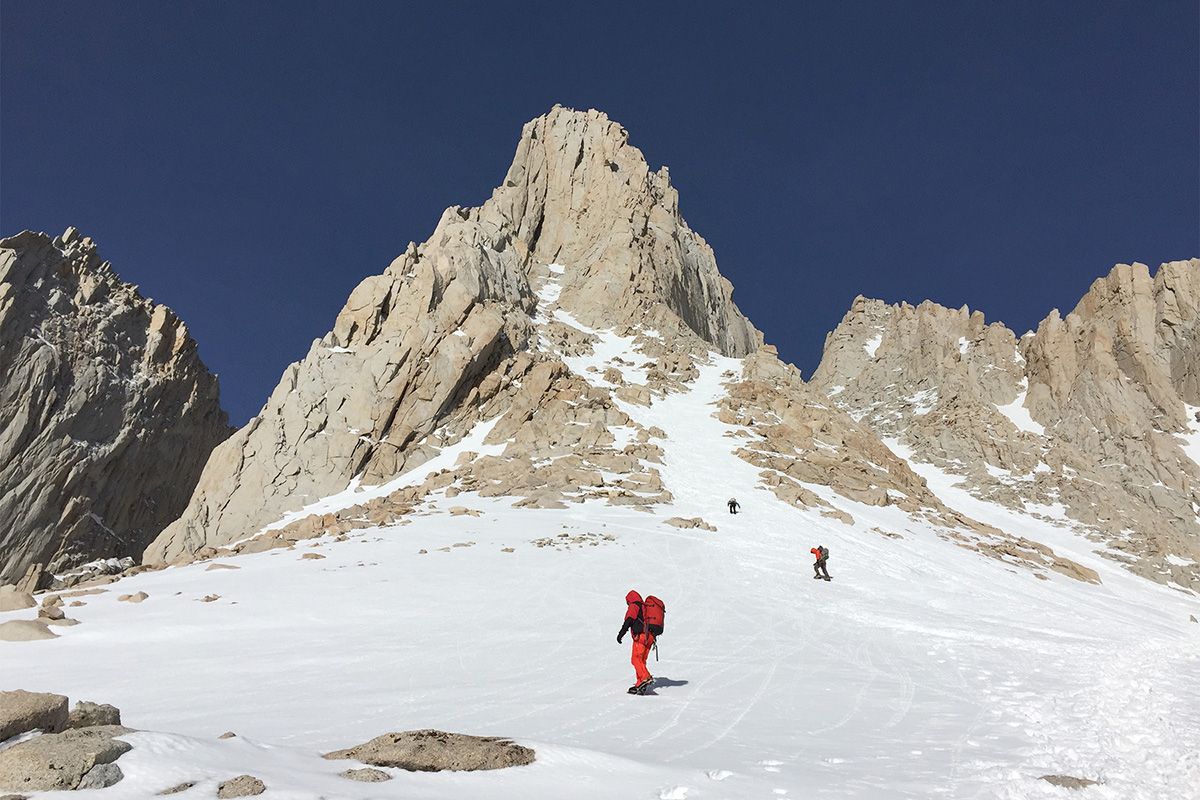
(248,163)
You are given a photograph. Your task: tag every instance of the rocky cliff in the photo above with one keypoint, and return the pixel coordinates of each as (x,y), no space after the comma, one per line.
(536,335)
(107,414)
(1093,415)
(449,328)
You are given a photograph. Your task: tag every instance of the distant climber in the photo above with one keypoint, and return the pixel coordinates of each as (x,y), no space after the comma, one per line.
(822,554)
(643,621)
(734,505)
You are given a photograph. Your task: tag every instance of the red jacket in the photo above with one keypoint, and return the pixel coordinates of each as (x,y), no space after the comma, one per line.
(633,614)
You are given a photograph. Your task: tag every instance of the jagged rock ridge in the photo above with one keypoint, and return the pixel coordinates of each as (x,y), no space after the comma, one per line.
(1089,412)
(492,329)
(107,414)
(449,328)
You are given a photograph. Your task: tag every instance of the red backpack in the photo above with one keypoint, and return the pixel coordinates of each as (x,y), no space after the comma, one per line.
(653,613)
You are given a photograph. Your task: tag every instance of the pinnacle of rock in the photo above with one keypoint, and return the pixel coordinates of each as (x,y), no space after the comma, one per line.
(106,411)
(463,326)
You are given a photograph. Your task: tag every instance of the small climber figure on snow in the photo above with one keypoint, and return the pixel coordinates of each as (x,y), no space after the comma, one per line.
(644,621)
(734,505)
(822,554)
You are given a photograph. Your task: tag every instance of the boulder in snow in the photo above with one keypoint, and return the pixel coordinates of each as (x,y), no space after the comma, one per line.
(434,751)
(13,599)
(25,630)
(22,711)
(89,715)
(58,761)
(241,786)
(366,775)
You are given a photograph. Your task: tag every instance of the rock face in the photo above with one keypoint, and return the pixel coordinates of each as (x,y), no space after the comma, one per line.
(449,334)
(540,325)
(1094,413)
(107,414)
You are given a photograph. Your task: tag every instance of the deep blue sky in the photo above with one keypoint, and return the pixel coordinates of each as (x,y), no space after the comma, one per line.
(248,163)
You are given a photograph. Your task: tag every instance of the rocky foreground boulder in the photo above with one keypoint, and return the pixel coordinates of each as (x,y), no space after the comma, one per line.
(434,751)
(22,711)
(63,761)
(107,414)
(1090,413)
(68,750)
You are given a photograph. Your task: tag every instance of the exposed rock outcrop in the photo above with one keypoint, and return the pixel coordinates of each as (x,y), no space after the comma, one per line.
(1091,413)
(462,328)
(107,414)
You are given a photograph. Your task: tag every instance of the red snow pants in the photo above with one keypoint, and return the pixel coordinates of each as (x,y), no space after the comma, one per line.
(642,642)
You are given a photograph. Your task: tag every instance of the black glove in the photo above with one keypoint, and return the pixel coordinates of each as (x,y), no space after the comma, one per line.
(619,635)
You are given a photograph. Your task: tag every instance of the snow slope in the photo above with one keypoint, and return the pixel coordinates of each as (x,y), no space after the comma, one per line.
(922,670)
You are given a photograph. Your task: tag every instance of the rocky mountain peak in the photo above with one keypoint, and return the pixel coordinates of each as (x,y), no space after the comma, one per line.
(107,413)
(1089,416)
(470,324)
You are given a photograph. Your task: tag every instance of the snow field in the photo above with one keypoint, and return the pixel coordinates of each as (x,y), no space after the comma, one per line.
(922,670)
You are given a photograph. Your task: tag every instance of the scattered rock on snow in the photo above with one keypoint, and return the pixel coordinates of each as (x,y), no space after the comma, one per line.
(218,565)
(58,761)
(133,598)
(209,598)
(1069,782)
(241,786)
(101,776)
(13,599)
(227,735)
(51,613)
(312,556)
(434,751)
(366,775)
(88,715)
(694,522)
(183,787)
(25,630)
(22,711)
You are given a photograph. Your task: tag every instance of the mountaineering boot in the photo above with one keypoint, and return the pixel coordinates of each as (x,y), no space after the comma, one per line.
(643,686)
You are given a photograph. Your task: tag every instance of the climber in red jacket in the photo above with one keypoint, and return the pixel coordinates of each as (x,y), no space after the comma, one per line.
(643,640)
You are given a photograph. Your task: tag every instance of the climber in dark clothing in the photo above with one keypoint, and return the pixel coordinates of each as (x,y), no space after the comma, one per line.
(822,554)
(734,505)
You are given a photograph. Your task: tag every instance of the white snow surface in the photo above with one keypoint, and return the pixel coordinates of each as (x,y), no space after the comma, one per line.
(1191,440)
(921,670)
(1019,415)
(872,344)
